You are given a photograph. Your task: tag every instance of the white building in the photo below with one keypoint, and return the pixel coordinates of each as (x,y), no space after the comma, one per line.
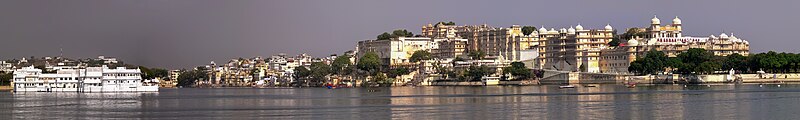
(6,67)
(91,79)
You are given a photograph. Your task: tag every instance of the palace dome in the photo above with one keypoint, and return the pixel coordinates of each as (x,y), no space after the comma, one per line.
(608,27)
(655,20)
(676,21)
(633,42)
(542,30)
(579,27)
(571,30)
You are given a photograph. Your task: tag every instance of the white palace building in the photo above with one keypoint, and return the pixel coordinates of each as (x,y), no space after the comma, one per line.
(90,79)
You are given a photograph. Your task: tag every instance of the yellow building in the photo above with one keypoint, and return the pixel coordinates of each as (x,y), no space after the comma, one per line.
(573,49)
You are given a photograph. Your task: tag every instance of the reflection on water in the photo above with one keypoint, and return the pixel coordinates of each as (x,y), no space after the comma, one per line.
(456,102)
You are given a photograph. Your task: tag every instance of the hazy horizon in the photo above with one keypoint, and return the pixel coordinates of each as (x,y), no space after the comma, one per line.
(186,33)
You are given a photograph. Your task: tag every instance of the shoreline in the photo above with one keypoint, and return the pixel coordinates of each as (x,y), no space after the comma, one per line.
(6,88)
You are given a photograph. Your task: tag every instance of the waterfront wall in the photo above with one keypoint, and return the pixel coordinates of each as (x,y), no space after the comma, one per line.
(479,83)
(562,77)
(717,78)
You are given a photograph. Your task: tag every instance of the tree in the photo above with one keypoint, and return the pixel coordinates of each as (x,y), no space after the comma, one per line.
(319,71)
(340,64)
(5,78)
(384,36)
(614,41)
(518,70)
(693,58)
(152,73)
(633,32)
(398,72)
(447,23)
(477,55)
(382,80)
(301,73)
(189,78)
(369,62)
(735,61)
(420,55)
(653,62)
(475,73)
(527,30)
(401,33)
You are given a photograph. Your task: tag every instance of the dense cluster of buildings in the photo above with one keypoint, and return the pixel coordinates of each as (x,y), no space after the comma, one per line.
(275,70)
(573,49)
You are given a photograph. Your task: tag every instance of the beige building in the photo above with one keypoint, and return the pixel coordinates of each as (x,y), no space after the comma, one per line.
(670,40)
(398,51)
(506,42)
(573,49)
(450,48)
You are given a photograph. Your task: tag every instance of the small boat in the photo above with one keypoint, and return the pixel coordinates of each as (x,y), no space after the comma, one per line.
(566,86)
(631,84)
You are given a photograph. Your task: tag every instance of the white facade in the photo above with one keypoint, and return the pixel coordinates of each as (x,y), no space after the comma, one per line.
(91,79)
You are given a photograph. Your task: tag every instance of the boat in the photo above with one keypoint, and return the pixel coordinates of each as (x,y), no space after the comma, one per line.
(566,86)
(88,79)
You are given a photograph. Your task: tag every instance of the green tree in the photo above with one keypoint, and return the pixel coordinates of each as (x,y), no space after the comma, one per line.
(615,41)
(693,58)
(735,61)
(447,23)
(5,78)
(475,73)
(527,30)
(477,55)
(301,73)
(189,78)
(633,32)
(398,72)
(384,36)
(420,55)
(518,70)
(401,33)
(340,64)
(369,62)
(383,80)
(653,62)
(319,71)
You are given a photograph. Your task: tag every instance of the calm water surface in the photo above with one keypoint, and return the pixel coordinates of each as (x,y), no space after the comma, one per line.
(456,102)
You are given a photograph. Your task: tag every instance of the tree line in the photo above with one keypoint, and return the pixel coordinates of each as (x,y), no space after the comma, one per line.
(700,61)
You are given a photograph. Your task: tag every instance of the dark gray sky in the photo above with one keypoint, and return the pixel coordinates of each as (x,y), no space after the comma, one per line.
(185,33)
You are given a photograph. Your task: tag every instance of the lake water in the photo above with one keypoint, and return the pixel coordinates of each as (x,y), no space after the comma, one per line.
(452,102)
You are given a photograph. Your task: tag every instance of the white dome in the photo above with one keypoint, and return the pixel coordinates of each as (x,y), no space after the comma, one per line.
(571,30)
(542,30)
(712,37)
(676,21)
(553,30)
(655,20)
(579,27)
(723,36)
(608,27)
(633,42)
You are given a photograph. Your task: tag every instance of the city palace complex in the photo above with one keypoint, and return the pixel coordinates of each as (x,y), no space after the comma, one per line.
(573,49)
(562,49)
